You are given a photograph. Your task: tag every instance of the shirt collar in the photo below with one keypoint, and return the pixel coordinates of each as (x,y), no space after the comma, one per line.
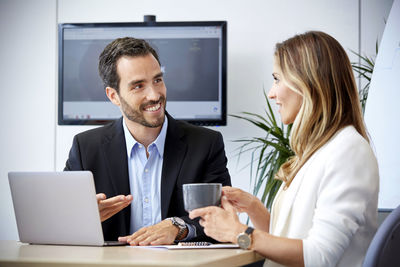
(159,142)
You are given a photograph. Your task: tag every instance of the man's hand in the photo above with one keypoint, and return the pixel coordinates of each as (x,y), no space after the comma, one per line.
(162,233)
(109,207)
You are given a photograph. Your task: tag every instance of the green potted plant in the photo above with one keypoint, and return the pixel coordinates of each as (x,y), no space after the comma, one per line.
(268,153)
(364,68)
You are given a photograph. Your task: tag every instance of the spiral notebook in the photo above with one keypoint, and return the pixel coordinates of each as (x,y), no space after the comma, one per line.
(194,245)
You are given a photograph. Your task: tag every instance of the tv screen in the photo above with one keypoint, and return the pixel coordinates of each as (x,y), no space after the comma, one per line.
(192,56)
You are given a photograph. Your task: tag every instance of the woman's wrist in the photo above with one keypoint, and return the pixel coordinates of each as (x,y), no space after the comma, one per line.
(256,208)
(240,228)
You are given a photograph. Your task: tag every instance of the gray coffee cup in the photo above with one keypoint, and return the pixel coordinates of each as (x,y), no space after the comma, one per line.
(201,195)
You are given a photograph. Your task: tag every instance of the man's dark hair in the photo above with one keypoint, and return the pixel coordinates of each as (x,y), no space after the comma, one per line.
(118,48)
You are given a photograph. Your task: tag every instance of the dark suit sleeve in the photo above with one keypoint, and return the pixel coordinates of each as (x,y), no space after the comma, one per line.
(216,170)
(74,162)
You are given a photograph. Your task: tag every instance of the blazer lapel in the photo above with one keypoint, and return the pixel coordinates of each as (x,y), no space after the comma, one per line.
(286,207)
(290,197)
(174,153)
(114,148)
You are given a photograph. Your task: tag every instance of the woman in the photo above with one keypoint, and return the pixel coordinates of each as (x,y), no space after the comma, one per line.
(325,212)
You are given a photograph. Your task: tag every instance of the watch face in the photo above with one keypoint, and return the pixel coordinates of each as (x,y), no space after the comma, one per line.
(243,241)
(180,221)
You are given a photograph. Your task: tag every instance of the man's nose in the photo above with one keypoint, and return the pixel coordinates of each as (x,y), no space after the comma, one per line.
(152,93)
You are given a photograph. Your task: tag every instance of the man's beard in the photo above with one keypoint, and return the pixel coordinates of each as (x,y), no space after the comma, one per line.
(137,115)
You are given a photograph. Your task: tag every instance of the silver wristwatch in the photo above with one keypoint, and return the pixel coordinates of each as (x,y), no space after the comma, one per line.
(244,239)
(180,224)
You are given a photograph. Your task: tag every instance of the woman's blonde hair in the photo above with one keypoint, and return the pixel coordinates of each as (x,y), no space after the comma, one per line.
(316,65)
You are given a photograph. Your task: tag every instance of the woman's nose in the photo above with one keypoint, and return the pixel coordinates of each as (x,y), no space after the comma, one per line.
(271,93)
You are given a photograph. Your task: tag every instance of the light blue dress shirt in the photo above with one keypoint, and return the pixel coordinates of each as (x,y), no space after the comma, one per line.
(145,180)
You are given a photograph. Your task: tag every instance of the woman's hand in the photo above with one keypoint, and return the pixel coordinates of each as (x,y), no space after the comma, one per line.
(240,200)
(222,224)
(246,202)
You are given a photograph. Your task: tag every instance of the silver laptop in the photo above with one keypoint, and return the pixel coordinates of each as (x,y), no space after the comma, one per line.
(57,208)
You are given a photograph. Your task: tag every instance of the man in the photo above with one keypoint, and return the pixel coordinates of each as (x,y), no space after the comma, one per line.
(141,161)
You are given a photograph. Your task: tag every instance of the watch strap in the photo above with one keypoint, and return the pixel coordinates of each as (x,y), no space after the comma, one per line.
(182,227)
(182,230)
(249,230)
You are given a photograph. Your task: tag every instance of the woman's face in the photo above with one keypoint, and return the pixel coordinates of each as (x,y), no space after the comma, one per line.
(289,101)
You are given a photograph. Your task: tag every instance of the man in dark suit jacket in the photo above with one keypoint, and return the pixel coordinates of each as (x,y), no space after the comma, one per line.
(133,80)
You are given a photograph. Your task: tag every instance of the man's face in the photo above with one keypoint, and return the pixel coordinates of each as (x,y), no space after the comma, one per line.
(142,92)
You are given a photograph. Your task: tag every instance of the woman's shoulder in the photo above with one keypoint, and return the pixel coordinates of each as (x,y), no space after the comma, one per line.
(347,138)
(347,145)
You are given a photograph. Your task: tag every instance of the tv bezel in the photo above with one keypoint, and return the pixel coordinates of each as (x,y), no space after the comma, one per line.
(204,122)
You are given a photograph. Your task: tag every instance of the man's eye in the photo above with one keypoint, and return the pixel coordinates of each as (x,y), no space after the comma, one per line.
(158,80)
(137,86)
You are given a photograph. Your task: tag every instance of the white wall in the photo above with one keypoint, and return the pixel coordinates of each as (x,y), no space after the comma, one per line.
(27,95)
(31,140)
(373,16)
(382,110)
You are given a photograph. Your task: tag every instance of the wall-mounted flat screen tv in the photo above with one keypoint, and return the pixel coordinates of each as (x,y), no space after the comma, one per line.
(193,56)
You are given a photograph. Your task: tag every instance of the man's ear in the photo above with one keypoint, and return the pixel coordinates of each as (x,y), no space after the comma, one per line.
(112,94)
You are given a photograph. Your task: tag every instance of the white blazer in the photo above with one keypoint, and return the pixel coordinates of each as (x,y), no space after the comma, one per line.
(331,204)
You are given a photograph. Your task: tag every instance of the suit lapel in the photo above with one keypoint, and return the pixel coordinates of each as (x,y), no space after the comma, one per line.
(114,148)
(174,153)
(287,204)
(116,163)
(290,197)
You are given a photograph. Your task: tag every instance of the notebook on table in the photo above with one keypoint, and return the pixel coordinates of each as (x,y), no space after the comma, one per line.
(193,245)
(58,208)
